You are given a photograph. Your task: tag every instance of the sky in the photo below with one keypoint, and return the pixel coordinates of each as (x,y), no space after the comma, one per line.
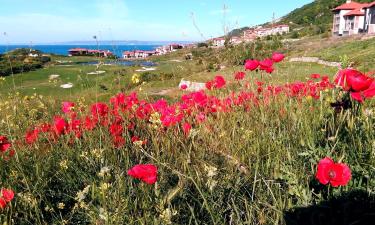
(53,21)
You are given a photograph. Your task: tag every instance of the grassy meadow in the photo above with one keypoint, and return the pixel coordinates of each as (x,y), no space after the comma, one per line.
(250,155)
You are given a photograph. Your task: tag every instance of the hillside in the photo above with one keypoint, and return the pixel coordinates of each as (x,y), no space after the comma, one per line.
(316,13)
(313,18)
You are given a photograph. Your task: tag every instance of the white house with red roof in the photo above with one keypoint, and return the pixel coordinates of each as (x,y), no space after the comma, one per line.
(369,24)
(138,54)
(89,52)
(235,40)
(252,34)
(218,42)
(348,18)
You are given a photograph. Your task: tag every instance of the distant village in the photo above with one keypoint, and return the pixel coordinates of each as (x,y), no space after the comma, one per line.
(248,36)
(135,54)
(252,34)
(348,19)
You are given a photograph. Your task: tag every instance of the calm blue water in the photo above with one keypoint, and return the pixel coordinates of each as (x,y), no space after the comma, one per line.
(63,49)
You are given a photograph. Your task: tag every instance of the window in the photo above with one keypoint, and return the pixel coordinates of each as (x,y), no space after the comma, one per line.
(372,15)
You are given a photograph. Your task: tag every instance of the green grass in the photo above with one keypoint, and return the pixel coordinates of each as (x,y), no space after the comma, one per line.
(246,166)
(360,52)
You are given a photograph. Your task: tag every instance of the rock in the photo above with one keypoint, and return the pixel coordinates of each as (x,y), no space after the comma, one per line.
(67,86)
(315,60)
(192,86)
(53,76)
(97,72)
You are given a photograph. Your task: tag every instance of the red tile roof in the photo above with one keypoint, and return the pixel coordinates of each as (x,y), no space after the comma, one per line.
(355,12)
(77,49)
(350,6)
(369,5)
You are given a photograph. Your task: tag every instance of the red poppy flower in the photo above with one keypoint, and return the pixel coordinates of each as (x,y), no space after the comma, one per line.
(183,87)
(251,65)
(219,82)
(60,125)
(186,128)
(135,139)
(4,144)
(3,203)
(209,85)
(337,174)
(278,57)
(360,85)
(32,136)
(44,128)
(118,141)
(370,92)
(269,70)
(116,129)
(266,64)
(343,75)
(359,82)
(315,76)
(239,75)
(147,173)
(118,100)
(67,107)
(99,110)
(7,194)
(90,123)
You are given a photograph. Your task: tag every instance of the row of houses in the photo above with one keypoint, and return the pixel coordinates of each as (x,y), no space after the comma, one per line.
(251,34)
(264,32)
(89,52)
(138,54)
(354,18)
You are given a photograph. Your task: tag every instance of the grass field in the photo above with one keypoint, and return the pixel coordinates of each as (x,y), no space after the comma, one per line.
(361,52)
(244,153)
(118,78)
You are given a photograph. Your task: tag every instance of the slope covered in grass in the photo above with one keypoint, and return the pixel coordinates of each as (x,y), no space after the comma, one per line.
(360,52)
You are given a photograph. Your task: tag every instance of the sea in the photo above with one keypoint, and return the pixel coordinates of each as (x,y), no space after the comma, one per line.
(63,49)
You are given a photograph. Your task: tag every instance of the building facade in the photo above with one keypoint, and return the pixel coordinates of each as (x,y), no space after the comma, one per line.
(349,18)
(369,19)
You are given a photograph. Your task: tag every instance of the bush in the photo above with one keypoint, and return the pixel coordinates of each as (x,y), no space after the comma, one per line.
(202,44)
(19,61)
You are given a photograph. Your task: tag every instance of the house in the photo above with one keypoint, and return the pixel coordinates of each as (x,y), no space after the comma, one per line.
(249,35)
(149,53)
(128,55)
(138,54)
(162,50)
(235,40)
(105,53)
(218,42)
(174,47)
(348,19)
(89,52)
(281,29)
(78,51)
(252,34)
(369,20)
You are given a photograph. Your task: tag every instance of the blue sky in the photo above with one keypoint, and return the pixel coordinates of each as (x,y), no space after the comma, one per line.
(48,21)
